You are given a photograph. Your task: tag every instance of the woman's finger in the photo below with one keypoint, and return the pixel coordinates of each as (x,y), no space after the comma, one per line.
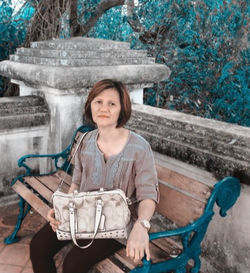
(136,255)
(130,252)
(51,214)
(147,252)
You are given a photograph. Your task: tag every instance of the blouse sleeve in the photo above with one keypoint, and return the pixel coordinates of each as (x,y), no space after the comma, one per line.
(146,181)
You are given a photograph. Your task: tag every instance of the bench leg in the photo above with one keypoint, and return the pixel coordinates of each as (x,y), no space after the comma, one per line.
(22,213)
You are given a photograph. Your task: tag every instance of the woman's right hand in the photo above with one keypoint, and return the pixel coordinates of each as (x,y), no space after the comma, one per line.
(53,222)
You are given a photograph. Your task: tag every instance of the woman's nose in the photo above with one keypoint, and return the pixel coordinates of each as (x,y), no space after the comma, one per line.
(104,107)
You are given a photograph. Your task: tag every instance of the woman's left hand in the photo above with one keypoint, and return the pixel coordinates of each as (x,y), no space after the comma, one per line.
(138,243)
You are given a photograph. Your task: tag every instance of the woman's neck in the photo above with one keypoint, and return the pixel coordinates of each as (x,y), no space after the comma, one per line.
(110,134)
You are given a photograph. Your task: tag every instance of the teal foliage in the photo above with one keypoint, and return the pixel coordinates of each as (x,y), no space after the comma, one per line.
(204,43)
(12,31)
(6,33)
(6,30)
(203,48)
(208,61)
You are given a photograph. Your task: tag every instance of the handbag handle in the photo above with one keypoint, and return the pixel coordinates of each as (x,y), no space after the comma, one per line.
(66,171)
(73,222)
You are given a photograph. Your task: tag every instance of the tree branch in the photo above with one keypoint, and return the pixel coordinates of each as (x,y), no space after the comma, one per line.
(98,11)
(132,17)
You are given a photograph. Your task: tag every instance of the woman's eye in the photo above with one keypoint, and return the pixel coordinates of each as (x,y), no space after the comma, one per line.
(112,104)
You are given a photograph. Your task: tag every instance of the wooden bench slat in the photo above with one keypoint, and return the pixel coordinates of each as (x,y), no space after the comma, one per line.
(63,175)
(39,187)
(178,207)
(168,245)
(198,190)
(31,198)
(52,182)
(157,255)
(121,256)
(107,266)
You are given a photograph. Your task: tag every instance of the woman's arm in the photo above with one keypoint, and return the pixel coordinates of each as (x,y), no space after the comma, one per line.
(73,187)
(138,241)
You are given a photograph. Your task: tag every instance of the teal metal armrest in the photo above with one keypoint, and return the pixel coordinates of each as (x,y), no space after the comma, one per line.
(224,194)
(64,154)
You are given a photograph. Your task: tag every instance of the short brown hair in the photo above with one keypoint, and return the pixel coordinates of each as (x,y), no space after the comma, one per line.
(124,100)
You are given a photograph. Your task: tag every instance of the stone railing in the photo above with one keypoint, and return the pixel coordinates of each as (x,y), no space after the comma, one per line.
(218,147)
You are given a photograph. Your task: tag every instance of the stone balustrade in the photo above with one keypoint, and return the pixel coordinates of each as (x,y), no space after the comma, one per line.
(218,147)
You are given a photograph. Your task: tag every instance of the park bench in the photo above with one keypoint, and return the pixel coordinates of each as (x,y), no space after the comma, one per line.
(178,226)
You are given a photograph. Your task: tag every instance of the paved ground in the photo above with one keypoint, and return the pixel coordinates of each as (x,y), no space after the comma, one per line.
(14,258)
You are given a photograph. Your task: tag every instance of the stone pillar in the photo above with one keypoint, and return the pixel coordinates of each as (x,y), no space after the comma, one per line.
(63,71)
(66,111)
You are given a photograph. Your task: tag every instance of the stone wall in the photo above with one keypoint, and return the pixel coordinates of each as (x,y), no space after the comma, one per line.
(218,147)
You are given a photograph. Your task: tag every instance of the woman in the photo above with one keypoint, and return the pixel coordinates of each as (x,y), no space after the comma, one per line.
(109,157)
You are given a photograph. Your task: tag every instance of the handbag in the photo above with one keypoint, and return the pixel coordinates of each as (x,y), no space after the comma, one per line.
(91,215)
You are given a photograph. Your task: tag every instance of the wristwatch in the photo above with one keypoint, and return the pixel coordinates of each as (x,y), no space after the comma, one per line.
(145,223)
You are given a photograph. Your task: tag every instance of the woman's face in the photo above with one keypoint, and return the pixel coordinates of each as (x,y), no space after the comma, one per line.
(106,108)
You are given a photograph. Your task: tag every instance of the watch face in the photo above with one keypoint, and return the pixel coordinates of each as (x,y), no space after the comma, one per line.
(146,224)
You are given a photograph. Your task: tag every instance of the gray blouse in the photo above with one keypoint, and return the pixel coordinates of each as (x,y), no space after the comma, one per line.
(132,170)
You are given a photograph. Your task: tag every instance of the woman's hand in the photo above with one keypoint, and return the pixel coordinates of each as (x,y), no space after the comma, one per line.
(138,243)
(53,222)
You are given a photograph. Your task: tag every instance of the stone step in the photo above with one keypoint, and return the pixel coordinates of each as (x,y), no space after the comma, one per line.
(25,111)
(83,54)
(81,43)
(11,111)
(24,120)
(81,62)
(19,102)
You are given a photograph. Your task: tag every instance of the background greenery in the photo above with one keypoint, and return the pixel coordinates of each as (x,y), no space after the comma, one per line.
(203,42)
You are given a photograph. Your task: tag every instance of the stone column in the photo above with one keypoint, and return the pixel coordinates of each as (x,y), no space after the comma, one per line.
(63,71)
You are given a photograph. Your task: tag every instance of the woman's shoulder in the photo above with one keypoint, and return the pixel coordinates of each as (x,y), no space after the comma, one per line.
(138,139)
(90,135)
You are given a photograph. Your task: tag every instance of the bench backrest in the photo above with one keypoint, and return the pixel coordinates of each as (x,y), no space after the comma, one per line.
(182,199)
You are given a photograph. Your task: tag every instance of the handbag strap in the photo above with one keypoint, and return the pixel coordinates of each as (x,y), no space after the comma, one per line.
(66,171)
(73,222)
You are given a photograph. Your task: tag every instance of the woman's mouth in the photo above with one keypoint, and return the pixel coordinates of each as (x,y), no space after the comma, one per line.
(103,116)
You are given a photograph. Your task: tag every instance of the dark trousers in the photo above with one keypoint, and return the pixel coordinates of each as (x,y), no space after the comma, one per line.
(45,245)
